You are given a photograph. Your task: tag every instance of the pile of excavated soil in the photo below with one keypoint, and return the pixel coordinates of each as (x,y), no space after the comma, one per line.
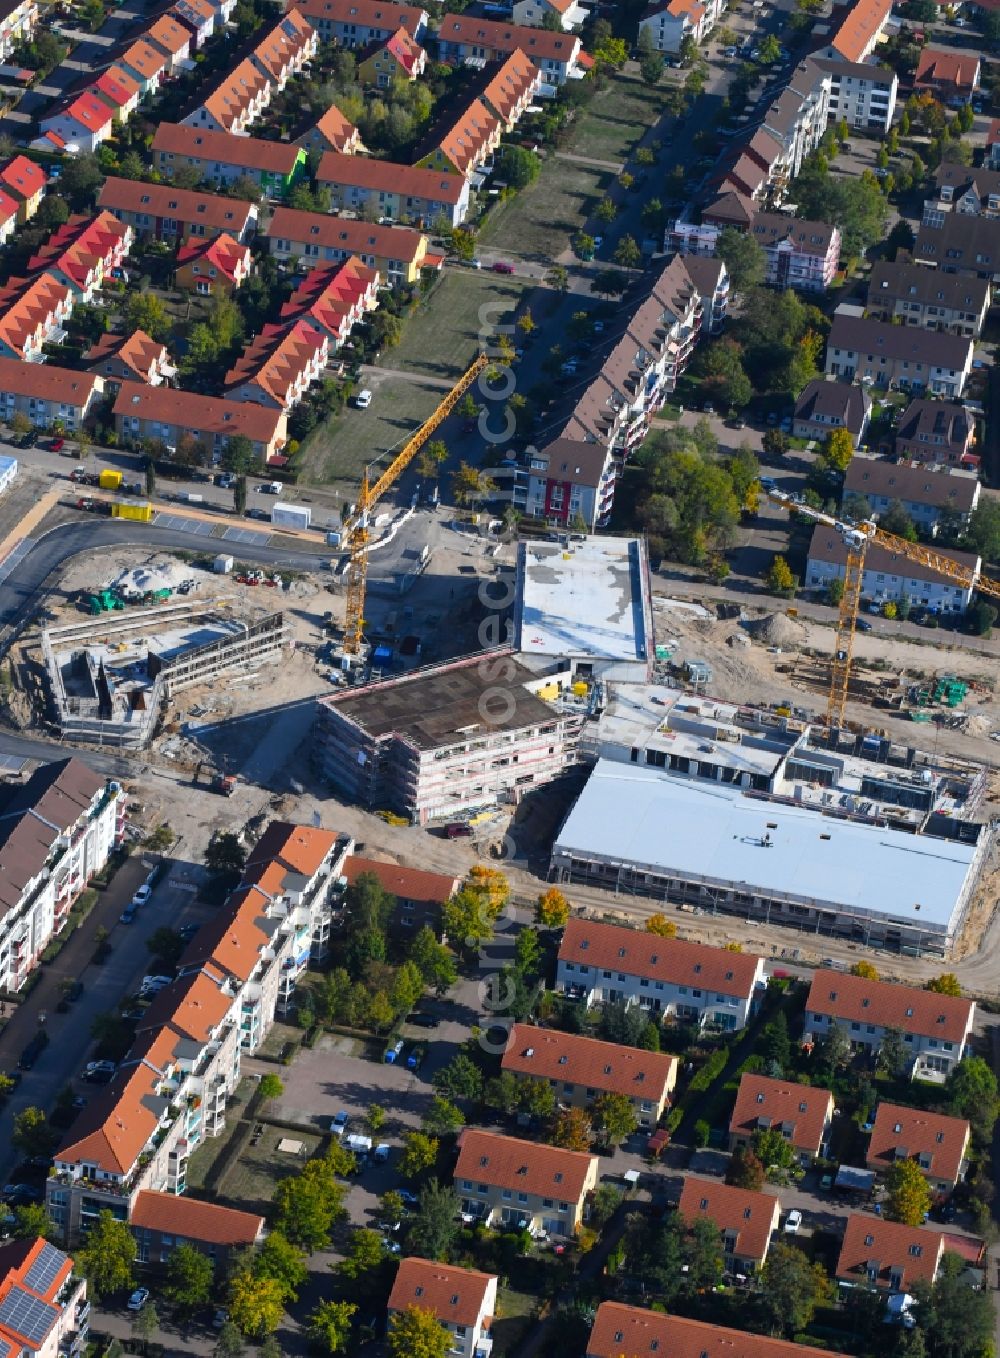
(776,629)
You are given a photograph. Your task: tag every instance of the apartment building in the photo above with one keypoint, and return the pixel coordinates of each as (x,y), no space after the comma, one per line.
(165,415)
(951,76)
(84,121)
(960,189)
(198,16)
(173,39)
(935,1028)
(540,13)
(313,238)
(888,577)
(523,1185)
(580,1069)
(236,103)
(330,132)
(824,405)
(168,213)
(862,95)
(925,492)
(669,24)
(912,359)
(800,254)
(962,244)
(47,394)
(146,64)
(689,982)
(135,357)
(286,49)
(119,91)
(334,299)
(419,895)
(278,367)
(746,1220)
(710,278)
(220,158)
(400,57)
(887,1255)
(56,831)
(633,1332)
(463,1301)
(568,479)
(918,296)
(44,1311)
(83,252)
(509,91)
(213,265)
(860,31)
(18,19)
(163,1222)
(25,182)
(404,193)
(445,740)
(33,312)
(797,120)
(358,23)
(465,145)
(937,431)
(937,1144)
(558,56)
(803,1114)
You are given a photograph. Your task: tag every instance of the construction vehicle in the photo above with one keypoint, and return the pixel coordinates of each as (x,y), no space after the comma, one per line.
(106,601)
(223,783)
(856,538)
(356,529)
(110,480)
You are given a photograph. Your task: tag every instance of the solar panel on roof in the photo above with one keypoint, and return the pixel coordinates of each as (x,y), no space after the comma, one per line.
(44,1271)
(5,1349)
(27,1315)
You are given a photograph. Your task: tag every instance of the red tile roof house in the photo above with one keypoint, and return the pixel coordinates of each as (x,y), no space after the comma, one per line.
(219,265)
(237,101)
(335,298)
(579,1069)
(173,40)
(691,981)
(289,46)
(466,145)
(936,1143)
(146,64)
(85,121)
(746,1220)
(279,366)
(419,894)
(356,23)
(222,157)
(32,313)
(24,181)
(165,415)
(400,57)
(119,90)
(198,16)
(559,56)
(46,393)
(166,212)
(331,132)
(130,358)
(460,1299)
(801,1113)
(160,1222)
(512,88)
(406,193)
(83,251)
(887,1254)
(523,1184)
(935,1028)
(43,1305)
(630,1332)
(952,76)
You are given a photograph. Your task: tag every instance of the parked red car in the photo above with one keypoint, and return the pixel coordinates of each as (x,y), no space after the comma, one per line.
(500,267)
(57,445)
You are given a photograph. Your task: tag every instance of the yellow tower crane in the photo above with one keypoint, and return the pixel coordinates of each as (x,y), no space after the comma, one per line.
(371,493)
(857,537)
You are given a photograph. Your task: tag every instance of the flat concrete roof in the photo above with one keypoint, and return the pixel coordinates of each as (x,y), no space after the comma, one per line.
(473,698)
(585,599)
(645,818)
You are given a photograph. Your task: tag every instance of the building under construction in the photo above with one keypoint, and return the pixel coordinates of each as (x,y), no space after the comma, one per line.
(110,677)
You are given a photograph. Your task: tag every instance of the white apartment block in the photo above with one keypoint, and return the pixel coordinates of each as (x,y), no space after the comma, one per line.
(668,25)
(863,96)
(888,578)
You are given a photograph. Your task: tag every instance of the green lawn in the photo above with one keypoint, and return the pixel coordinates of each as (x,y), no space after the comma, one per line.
(512,1321)
(444,334)
(616,117)
(337,452)
(251,1182)
(539,222)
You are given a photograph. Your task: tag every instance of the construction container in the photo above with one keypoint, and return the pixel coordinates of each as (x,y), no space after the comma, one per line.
(291,516)
(222,565)
(333,536)
(109,480)
(139,510)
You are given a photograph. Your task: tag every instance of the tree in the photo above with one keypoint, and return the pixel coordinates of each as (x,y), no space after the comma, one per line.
(270,1086)
(442,1117)
(238,455)
(835,1048)
(283,1262)
(467,920)
(775,442)
(538,1098)
(435,961)
(470,485)
(745,1170)
(307,1205)
(430,459)
(503,1092)
(230,1343)
(435,1223)
(417,1333)
(892,1052)
(703,1257)
(558,278)
(571,1130)
(167,945)
(744,257)
(983,531)
(791,1289)
(909,1195)
(419,1153)
(779,578)
(375,1117)
(240,495)
(107,1259)
(145,311)
(330,1325)
(627,253)
(527,953)
(945,984)
(364,1253)
(651,67)
(552,909)
(980,617)
(82,176)
(461,1078)
(53,212)
(32,1134)
(896,520)
(972,1092)
(661,926)
(31,1221)
(770,50)
(614,1117)
(865,970)
(772,1150)
(150,478)
(776,1045)
(719,368)
(225,855)
(144,1324)
(256,1304)
(519,166)
(838,449)
(189,1278)
(956,1322)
